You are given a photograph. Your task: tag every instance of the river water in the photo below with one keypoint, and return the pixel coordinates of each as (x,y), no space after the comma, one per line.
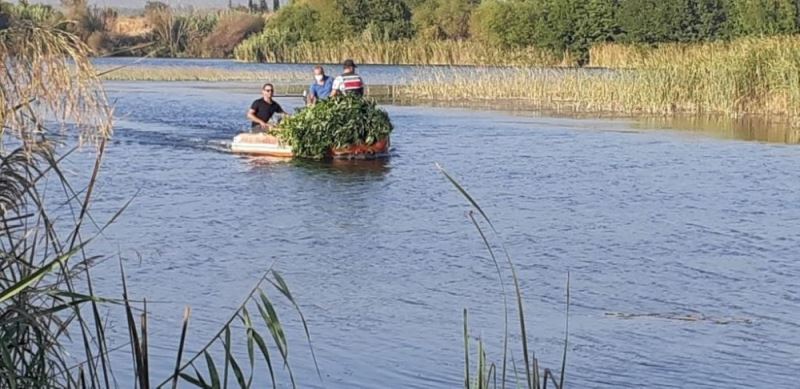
(652,226)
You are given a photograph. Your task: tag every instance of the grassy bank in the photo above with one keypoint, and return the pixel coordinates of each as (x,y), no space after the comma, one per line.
(270,47)
(746,76)
(156,73)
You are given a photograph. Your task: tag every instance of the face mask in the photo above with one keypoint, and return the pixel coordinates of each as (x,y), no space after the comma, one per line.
(319,77)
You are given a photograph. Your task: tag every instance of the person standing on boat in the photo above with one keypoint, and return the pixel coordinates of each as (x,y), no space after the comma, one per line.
(349,82)
(321,88)
(262,110)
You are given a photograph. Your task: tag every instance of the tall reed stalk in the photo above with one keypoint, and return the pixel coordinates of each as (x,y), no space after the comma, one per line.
(47,300)
(272,46)
(485,374)
(747,76)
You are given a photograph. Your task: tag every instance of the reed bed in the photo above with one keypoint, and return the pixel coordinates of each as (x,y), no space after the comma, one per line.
(747,76)
(156,73)
(271,47)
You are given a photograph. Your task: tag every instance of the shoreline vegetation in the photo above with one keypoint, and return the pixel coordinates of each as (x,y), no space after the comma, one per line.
(747,76)
(51,308)
(722,57)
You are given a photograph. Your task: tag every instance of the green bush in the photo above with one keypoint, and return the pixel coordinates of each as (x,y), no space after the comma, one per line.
(336,122)
(443,19)
(378,19)
(763,17)
(36,13)
(509,23)
(310,20)
(300,22)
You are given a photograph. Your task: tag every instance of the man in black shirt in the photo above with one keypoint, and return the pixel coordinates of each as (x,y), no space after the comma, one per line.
(262,109)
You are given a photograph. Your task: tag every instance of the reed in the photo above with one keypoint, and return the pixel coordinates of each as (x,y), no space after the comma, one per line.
(272,46)
(47,298)
(166,73)
(486,373)
(747,76)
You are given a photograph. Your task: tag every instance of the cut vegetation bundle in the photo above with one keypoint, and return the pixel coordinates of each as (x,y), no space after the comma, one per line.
(334,123)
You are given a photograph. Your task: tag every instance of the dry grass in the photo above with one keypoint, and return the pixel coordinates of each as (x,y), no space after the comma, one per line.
(231,29)
(48,72)
(202,74)
(132,26)
(270,47)
(747,76)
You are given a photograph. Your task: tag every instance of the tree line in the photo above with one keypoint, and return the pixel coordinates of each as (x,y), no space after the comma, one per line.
(559,25)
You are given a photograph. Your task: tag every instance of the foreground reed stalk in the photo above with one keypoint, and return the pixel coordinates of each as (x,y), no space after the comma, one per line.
(46,337)
(485,375)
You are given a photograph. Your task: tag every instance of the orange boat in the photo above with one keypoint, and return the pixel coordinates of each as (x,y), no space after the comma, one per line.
(268,145)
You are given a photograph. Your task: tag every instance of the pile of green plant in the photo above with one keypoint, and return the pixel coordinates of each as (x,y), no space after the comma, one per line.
(336,122)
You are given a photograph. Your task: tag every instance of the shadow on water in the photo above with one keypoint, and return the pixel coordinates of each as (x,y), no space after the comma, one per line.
(749,128)
(374,168)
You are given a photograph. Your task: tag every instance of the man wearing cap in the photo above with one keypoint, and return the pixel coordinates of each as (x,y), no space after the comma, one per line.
(349,82)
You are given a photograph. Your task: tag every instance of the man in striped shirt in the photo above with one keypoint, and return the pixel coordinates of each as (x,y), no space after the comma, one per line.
(349,82)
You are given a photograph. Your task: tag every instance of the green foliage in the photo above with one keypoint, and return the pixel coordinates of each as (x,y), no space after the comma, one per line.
(336,122)
(443,19)
(763,17)
(650,21)
(508,23)
(299,22)
(36,13)
(378,19)
(309,21)
(563,28)
(268,46)
(712,21)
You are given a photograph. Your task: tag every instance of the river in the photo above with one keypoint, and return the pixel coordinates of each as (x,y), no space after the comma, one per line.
(652,225)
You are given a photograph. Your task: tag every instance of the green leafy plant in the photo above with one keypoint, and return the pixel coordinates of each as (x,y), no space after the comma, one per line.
(336,122)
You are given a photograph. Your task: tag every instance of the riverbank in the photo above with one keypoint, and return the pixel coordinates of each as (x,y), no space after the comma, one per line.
(742,77)
(172,73)
(268,47)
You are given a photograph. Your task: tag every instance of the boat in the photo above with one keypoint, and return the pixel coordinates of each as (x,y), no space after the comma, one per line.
(269,146)
(260,144)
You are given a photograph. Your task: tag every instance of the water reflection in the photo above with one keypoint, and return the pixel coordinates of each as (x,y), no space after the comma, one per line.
(357,168)
(750,128)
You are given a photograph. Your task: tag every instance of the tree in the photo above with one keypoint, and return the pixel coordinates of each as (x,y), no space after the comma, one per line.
(509,23)
(713,19)
(763,17)
(378,19)
(651,21)
(444,19)
(602,23)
